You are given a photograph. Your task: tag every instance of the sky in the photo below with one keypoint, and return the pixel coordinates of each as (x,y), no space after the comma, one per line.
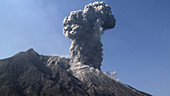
(138,48)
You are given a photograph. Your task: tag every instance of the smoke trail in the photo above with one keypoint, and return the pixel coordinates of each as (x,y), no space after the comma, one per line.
(84,28)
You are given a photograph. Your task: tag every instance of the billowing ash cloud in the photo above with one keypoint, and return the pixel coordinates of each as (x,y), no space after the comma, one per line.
(84,28)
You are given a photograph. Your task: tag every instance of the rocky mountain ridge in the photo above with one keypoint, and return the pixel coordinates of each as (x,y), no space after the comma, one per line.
(30,74)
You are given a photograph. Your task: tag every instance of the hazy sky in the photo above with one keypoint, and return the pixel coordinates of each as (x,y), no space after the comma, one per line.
(138,48)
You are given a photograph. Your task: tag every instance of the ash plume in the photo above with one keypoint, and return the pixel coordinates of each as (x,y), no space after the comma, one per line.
(84,28)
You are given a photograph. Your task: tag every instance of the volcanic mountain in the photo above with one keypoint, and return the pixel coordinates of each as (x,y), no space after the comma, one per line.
(30,74)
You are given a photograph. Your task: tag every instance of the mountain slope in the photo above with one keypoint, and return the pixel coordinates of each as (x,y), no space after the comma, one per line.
(30,74)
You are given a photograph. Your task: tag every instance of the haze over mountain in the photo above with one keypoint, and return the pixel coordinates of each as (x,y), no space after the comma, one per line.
(30,74)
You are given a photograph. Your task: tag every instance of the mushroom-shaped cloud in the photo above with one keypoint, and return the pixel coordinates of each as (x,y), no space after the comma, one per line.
(84,28)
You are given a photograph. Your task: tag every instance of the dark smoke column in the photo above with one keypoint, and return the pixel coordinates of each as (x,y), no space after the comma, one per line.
(84,28)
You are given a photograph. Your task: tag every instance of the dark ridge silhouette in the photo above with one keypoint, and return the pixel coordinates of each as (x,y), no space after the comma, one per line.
(30,74)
